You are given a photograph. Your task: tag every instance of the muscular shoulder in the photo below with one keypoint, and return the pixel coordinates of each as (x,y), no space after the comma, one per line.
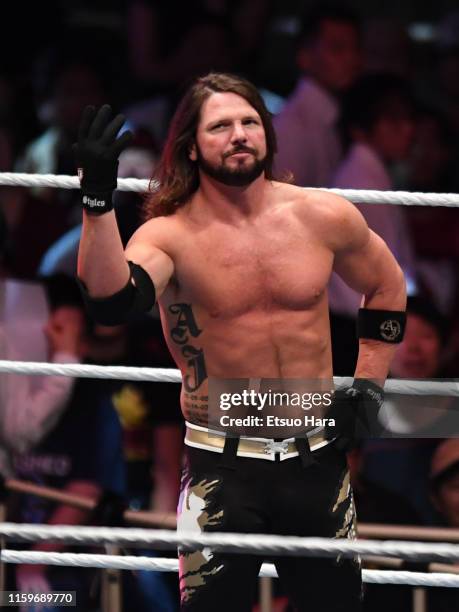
(159,232)
(333,219)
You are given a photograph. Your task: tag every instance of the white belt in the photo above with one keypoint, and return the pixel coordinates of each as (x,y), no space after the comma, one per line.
(256,448)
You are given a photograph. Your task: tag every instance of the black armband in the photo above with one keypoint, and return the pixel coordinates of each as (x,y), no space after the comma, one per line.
(137,297)
(383,325)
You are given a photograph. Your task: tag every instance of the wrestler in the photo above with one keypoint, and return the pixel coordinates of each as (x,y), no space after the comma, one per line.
(239,264)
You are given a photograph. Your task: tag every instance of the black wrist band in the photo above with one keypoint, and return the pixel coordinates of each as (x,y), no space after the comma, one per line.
(97,203)
(369,389)
(383,325)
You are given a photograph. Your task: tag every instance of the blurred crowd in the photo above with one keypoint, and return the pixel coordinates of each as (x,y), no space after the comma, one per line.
(359,100)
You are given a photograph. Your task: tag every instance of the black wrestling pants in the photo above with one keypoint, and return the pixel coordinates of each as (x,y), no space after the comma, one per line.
(271,497)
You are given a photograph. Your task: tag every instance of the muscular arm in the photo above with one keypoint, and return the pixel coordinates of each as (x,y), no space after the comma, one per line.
(102,262)
(366,264)
(143,249)
(102,265)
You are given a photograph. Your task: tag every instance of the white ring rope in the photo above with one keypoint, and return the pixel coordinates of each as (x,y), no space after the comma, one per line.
(439,579)
(63,181)
(407,387)
(401,198)
(171,565)
(231,542)
(92,371)
(367,196)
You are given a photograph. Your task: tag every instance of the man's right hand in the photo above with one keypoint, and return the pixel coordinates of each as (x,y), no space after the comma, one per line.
(97,152)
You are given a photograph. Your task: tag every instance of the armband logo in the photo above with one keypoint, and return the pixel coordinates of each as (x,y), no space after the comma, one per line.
(390,330)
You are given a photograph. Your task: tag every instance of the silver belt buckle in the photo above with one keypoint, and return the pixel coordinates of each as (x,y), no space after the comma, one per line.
(276,447)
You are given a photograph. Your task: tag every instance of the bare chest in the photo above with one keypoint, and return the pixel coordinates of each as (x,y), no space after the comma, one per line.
(229,272)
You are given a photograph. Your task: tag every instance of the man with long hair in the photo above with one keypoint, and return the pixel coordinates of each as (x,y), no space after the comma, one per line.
(239,264)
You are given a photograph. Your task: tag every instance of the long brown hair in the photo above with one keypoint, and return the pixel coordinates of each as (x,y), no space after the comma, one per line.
(176,173)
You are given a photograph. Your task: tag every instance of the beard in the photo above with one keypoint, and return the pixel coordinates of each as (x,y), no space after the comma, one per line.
(238,176)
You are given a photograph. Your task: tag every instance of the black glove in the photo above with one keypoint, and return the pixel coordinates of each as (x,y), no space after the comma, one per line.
(97,152)
(355,412)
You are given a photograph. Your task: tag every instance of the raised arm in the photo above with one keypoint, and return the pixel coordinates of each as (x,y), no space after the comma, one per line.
(365,263)
(115,284)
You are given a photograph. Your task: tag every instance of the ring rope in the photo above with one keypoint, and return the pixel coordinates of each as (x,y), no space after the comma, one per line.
(171,565)
(367,196)
(92,371)
(231,542)
(411,387)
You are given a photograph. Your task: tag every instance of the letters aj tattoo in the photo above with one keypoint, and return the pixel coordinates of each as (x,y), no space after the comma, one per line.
(185,327)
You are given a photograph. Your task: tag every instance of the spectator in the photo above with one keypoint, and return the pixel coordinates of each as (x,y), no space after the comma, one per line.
(80,454)
(446,91)
(435,228)
(68,85)
(430,162)
(150,413)
(8,125)
(387,46)
(444,481)
(29,412)
(152,440)
(444,488)
(420,353)
(165,52)
(31,406)
(378,125)
(329,59)
(46,212)
(376,504)
(15,128)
